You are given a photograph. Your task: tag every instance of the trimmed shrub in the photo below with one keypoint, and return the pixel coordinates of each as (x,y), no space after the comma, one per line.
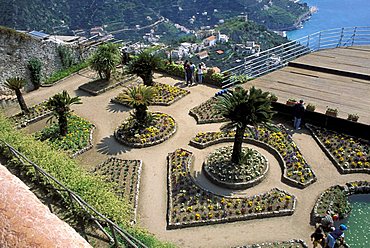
(34,65)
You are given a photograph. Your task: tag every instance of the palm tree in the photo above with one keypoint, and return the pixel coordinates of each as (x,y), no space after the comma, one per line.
(16,84)
(139,97)
(244,107)
(60,105)
(105,59)
(143,66)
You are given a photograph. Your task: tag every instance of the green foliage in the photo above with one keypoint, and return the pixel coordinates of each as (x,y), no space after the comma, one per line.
(60,105)
(66,56)
(105,59)
(14,34)
(34,65)
(58,75)
(143,66)
(77,137)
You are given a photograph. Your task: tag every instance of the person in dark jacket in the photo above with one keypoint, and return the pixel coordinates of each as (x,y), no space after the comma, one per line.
(298,112)
(337,234)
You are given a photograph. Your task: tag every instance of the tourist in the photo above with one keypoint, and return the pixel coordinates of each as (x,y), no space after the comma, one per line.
(200,73)
(327,221)
(317,237)
(192,69)
(298,112)
(189,75)
(337,234)
(186,63)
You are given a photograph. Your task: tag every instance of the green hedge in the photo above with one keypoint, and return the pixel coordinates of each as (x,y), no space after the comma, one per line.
(178,71)
(93,189)
(58,75)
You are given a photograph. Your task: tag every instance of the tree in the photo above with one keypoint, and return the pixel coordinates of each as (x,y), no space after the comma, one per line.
(16,84)
(143,66)
(105,59)
(60,105)
(244,107)
(35,65)
(139,97)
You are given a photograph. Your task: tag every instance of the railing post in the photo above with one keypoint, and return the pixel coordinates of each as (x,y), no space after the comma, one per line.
(353,36)
(341,37)
(318,47)
(308,41)
(116,244)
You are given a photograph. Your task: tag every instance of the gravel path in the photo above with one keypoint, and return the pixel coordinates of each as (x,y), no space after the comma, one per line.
(153,191)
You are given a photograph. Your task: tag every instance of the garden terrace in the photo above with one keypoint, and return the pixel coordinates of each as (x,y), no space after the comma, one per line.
(190,205)
(165,95)
(296,171)
(349,154)
(126,174)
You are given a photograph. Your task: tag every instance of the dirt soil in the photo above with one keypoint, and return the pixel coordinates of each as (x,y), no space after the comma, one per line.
(153,190)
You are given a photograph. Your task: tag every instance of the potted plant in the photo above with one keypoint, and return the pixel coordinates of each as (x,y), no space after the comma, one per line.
(310,107)
(291,102)
(353,117)
(332,112)
(273,97)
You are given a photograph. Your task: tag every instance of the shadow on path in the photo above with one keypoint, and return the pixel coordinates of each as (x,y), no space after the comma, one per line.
(79,92)
(117,108)
(109,146)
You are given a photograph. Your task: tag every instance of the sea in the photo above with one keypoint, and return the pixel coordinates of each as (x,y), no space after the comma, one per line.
(333,14)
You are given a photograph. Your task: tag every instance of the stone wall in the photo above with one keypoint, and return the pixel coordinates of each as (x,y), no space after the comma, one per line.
(26,222)
(15,52)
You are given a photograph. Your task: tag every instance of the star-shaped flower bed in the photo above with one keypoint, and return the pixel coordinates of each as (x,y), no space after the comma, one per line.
(190,205)
(349,154)
(165,95)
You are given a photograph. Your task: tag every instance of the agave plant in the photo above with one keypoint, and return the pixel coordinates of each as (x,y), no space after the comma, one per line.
(139,97)
(143,66)
(244,107)
(16,84)
(60,105)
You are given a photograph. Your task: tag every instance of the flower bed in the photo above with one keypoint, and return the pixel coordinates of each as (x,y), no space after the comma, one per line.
(37,112)
(190,205)
(205,113)
(294,243)
(296,171)
(219,169)
(126,174)
(335,199)
(165,96)
(100,86)
(77,140)
(349,154)
(160,129)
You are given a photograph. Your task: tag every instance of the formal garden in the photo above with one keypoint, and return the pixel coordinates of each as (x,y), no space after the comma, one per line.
(152,173)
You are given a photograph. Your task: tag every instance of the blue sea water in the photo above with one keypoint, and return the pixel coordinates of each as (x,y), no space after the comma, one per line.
(334,14)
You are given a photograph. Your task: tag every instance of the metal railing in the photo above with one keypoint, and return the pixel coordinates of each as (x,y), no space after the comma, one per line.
(275,58)
(117,236)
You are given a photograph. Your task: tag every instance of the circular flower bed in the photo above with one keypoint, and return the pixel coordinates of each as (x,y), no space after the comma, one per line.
(297,172)
(221,171)
(190,205)
(349,154)
(161,128)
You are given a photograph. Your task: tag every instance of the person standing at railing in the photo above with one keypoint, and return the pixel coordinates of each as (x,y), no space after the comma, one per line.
(298,112)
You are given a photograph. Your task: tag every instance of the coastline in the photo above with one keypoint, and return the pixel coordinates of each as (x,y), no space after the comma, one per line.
(303,18)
